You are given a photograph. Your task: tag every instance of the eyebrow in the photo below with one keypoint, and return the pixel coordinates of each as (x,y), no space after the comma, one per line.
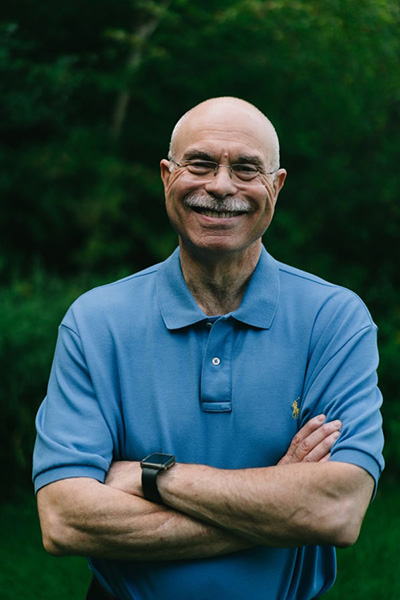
(198,154)
(250,160)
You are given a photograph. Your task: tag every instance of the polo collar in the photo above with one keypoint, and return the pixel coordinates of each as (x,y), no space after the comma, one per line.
(179,308)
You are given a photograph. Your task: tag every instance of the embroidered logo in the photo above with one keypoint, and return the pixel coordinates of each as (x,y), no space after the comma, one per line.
(296,410)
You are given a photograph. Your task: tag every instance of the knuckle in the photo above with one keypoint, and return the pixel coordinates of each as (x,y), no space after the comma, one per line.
(326,428)
(296,440)
(305,446)
(327,443)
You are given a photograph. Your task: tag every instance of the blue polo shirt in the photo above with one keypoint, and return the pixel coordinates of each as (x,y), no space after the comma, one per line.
(139,368)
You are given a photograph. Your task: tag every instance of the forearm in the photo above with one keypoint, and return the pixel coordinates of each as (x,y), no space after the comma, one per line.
(291,505)
(303,500)
(211,512)
(84,517)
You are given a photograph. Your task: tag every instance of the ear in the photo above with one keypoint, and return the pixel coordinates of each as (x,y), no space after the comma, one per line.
(279,180)
(165,171)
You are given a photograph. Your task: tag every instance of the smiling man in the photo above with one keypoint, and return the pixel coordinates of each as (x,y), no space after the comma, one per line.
(221,186)
(212,424)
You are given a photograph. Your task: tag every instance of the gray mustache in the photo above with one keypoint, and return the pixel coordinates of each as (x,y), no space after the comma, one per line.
(210,203)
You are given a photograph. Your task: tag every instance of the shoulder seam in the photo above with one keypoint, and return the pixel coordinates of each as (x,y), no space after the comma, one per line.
(319,281)
(309,277)
(371,326)
(149,271)
(70,329)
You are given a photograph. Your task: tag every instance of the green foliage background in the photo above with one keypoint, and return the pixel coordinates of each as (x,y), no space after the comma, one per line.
(89,95)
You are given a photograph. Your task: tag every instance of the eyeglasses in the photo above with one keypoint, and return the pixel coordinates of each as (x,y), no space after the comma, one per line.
(201,168)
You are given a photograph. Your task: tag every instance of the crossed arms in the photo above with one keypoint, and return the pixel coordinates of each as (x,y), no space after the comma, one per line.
(304,499)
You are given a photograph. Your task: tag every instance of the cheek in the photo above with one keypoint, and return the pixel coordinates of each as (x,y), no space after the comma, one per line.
(270,205)
(176,182)
(175,210)
(172,194)
(270,198)
(265,201)
(170,206)
(266,211)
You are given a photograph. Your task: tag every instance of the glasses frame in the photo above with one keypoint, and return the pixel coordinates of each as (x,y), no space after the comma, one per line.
(230,167)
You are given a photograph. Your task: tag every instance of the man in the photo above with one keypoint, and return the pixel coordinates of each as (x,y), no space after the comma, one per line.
(259,379)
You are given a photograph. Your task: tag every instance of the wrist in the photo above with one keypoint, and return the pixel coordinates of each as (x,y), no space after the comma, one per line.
(180,485)
(152,466)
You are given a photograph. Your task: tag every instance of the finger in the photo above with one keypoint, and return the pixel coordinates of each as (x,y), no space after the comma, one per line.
(311,426)
(304,432)
(323,449)
(325,458)
(319,437)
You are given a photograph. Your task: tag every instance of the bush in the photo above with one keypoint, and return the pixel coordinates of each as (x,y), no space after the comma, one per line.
(31,311)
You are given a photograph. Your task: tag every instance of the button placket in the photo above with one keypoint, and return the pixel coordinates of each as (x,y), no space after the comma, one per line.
(216,377)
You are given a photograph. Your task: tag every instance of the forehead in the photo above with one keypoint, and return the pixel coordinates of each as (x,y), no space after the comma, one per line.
(224,130)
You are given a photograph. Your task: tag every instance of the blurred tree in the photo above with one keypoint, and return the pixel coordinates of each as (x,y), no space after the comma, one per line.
(90,93)
(312,66)
(152,14)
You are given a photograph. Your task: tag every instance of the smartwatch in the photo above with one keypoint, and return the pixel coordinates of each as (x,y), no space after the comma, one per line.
(151,466)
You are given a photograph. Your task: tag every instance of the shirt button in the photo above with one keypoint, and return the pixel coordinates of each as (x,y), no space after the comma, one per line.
(215,361)
(209,324)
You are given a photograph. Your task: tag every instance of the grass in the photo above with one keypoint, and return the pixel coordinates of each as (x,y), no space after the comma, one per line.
(27,571)
(367,570)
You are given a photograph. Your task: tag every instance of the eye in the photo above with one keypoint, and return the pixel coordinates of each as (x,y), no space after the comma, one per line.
(245,171)
(201,167)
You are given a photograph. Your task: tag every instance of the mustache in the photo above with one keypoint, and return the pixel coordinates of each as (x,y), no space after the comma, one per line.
(207,202)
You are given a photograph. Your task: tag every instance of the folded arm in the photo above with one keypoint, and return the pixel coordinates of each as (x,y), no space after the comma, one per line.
(305,499)
(83,516)
(289,505)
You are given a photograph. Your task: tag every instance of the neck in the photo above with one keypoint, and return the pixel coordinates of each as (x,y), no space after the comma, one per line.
(218,282)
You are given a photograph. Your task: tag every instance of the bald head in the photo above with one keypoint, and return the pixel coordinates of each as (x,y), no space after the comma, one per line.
(229,115)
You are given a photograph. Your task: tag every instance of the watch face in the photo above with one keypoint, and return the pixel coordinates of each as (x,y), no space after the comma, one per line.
(158,461)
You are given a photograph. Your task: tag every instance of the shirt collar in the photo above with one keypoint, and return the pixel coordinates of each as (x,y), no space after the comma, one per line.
(257,309)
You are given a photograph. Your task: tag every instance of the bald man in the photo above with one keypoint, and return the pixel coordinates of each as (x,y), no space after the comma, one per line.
(212,424)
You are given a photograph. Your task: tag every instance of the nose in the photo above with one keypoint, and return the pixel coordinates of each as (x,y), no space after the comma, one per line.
(221,184)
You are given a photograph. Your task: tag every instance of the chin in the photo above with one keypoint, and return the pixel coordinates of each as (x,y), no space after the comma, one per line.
(217,247)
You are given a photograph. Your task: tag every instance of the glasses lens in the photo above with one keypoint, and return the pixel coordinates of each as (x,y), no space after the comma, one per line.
(201,167)
(245,172)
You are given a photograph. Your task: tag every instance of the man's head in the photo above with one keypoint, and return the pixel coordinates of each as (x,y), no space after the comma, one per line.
(222,176)
(225,107)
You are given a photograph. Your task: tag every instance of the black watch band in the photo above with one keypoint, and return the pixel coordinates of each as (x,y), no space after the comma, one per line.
(151,466)
(149,485)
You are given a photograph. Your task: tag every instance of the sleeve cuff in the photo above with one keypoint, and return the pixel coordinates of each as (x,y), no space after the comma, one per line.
(74,471)
(360,459)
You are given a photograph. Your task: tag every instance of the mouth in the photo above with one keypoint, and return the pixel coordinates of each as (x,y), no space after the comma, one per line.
(217,214)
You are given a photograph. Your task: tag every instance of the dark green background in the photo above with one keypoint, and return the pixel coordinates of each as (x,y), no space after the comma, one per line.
(90,92)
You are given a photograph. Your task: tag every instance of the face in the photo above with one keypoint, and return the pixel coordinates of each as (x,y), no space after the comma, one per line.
(219,213)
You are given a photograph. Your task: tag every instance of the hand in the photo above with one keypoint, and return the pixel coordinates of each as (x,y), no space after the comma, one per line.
(125,475)
(313,442)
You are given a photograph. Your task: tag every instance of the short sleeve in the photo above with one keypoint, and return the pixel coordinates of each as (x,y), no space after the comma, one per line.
(73,438)
(342,383)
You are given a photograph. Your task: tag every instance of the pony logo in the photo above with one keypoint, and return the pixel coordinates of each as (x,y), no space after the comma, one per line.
(295,407)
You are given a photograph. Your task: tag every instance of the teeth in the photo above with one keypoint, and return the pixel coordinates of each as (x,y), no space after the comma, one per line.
(219,215)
